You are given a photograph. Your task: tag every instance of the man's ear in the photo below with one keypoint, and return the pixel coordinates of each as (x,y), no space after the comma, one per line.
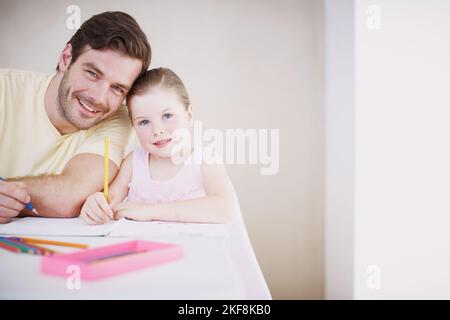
(65,58)
(190,115)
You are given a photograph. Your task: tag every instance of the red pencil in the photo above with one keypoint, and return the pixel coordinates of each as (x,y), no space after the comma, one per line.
(39,250)
(10,248)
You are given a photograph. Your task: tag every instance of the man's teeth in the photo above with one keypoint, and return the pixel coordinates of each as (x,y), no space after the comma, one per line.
(87,107)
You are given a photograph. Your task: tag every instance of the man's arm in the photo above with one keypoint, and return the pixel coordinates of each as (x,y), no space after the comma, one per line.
(61,196)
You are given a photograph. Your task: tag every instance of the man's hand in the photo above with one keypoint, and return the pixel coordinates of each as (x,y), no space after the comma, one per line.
(13,196)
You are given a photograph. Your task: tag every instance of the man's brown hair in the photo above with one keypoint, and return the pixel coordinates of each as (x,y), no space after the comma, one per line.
(113,30)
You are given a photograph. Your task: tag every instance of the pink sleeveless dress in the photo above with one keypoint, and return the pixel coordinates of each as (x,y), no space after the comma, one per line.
(187,184)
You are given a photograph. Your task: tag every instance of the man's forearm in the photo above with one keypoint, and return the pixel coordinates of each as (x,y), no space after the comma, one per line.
(63,195)
(54,196)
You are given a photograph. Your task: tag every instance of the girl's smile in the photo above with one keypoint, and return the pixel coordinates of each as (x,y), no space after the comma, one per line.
(162,143)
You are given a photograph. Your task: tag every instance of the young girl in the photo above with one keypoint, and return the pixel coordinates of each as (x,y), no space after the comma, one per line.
(157,186)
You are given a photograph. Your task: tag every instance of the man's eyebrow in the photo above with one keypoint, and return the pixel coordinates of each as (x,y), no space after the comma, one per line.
(96,69)
(123,86)
(93,67)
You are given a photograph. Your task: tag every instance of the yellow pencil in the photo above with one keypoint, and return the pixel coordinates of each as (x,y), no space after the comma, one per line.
(105,180)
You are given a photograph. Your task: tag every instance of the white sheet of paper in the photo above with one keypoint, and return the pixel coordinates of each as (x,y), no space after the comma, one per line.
(35,226)
(123,228)
(130,228)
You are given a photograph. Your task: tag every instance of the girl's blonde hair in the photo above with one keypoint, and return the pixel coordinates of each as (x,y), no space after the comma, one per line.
(160,77)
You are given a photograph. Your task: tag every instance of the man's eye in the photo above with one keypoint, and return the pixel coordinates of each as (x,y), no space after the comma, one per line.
(118,90)
(92,74)
(143,122)
(167,116)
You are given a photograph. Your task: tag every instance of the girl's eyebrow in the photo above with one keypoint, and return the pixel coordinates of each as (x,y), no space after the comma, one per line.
(144,117)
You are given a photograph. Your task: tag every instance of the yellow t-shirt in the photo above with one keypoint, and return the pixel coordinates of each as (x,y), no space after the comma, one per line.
(29,143)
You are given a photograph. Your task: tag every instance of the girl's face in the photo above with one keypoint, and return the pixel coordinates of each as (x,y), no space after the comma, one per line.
(158,117)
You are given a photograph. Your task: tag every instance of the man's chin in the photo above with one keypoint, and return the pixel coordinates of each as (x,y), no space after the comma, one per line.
(84,125)
(81,122)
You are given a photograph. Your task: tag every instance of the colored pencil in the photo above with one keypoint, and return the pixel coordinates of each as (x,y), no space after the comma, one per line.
(36,249)
(56,243)
(22,247)
(41,250)
(9,247)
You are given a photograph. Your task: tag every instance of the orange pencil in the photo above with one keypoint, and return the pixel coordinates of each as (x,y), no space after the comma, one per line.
(41,250)
(56,243)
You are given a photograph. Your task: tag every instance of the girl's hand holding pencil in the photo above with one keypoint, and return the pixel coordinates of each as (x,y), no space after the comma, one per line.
(96,209)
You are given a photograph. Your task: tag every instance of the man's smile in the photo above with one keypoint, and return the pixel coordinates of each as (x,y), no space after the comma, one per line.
(86,107)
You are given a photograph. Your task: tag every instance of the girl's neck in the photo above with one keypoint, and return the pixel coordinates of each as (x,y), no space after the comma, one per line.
(167,168)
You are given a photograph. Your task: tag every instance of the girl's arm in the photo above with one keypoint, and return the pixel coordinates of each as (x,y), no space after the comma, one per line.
(216,207)
(96,209)
(119,187)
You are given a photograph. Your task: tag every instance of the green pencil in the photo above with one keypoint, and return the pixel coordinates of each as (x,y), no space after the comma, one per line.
(20,246)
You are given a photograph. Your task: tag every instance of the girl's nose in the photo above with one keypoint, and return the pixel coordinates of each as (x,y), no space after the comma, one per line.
(158,132)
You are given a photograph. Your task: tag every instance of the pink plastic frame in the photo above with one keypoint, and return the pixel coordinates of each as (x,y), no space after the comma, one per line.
(147,254)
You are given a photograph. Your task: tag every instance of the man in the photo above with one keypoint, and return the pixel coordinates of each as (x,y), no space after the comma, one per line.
(52,128)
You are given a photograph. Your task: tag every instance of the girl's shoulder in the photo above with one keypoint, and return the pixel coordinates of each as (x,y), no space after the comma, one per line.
(139,159)
(127,162)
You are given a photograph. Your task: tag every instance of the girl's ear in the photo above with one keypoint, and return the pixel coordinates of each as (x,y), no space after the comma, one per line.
(190,115)
(65,58)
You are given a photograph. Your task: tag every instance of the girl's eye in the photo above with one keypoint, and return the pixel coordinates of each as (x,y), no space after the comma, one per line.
(143,122)
(92,74)
(167,116)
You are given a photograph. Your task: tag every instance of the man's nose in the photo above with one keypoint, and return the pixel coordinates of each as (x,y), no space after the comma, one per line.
(99,94)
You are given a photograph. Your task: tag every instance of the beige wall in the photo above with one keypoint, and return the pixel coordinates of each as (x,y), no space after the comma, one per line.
(247,64)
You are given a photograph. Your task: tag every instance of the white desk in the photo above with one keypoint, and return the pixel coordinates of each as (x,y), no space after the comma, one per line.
(212,268)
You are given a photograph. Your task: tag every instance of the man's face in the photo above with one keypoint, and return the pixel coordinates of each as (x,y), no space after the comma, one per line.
(95,85)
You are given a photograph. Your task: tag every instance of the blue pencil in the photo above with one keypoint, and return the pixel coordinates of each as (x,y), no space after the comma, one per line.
(28,205)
